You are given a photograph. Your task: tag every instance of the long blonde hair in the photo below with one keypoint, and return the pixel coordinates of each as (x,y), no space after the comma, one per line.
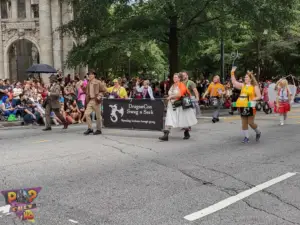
(283,83)
(252,78)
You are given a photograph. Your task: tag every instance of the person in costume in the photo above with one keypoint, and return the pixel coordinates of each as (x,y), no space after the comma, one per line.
(215,90)
(117,91)
(177,115)
(283,99)
(250,93)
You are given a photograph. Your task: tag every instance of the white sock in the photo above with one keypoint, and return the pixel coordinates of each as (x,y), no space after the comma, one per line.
(257,130)
(246,133)
(281,118)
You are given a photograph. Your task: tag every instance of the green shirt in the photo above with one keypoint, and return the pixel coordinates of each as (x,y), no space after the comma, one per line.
(190,85)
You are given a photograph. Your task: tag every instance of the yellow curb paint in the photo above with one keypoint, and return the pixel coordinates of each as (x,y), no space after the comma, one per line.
(41,141)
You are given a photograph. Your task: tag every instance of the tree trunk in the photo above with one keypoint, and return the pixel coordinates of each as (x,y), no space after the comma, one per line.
(173,46)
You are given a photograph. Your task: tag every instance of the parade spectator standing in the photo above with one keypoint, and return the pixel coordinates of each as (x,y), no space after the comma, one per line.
(3,90)
(95,91)
(17,91)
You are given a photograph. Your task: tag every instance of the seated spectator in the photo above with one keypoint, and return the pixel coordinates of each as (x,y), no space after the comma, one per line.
(75,113)
(8,109)
(28,110)
(69,91)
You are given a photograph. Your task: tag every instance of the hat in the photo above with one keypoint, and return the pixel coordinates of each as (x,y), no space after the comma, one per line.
(53,77)
(115,81)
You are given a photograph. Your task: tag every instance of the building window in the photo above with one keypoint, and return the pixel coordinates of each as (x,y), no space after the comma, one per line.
(5,9)
(21,9)
(35,10)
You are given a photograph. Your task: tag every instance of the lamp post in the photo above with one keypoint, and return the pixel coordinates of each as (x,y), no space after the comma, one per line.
(128,55)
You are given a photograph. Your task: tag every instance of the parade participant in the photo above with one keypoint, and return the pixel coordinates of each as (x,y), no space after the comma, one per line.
(215,90)
(52,103)
(146,90)
(191,86)
(94,91)
(283,99)
(246,102)
(117,91)
(179,114)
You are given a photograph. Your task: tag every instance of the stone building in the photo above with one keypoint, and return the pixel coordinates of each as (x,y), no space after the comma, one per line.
(29,35)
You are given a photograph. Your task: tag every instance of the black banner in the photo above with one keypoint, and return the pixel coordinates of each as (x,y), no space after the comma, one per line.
(143,114)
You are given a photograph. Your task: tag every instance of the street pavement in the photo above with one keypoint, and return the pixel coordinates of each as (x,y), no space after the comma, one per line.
(128,177)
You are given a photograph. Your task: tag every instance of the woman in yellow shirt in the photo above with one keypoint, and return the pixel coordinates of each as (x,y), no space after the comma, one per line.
(117,91)
(250,93)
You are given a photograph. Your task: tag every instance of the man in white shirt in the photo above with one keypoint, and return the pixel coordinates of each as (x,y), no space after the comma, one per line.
(17,91)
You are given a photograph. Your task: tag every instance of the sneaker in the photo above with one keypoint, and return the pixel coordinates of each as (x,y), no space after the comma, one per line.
(246,140)
(281,123)
(258,135)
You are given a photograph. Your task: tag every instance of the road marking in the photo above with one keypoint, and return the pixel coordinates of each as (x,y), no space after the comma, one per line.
(5,209)
(233,199)
(73,221)
(41,141)
(294,117)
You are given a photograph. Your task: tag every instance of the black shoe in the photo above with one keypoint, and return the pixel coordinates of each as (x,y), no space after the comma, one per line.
(186,135)
(214,120)
(231,113)
(66,126)
(47,129)
(88,131)
(97,132)
(258,135)
(165,137)
(217,119)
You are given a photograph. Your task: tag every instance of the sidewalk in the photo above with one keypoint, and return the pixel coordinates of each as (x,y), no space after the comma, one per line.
(10,124)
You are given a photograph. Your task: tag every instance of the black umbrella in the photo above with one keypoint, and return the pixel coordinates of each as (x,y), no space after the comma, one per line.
(41,68)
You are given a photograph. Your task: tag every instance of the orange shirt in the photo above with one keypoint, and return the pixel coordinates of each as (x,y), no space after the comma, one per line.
(214,89)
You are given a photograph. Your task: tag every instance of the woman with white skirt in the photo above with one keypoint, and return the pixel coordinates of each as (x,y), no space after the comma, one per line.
(177,115)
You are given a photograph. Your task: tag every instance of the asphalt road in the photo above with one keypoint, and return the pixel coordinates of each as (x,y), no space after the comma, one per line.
(130,178)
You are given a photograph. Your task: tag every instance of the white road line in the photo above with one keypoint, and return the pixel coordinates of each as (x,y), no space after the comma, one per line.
(5,209)
(73,221)
(231,200)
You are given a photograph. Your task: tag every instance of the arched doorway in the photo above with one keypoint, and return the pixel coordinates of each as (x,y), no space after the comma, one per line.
(22,53)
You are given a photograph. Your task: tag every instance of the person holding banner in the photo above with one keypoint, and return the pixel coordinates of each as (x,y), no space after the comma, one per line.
(180,112)
(117,91)
(250,93)
(283,99)
(146,90)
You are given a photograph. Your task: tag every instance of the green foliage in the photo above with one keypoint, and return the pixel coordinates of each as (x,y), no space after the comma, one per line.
(170,35)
